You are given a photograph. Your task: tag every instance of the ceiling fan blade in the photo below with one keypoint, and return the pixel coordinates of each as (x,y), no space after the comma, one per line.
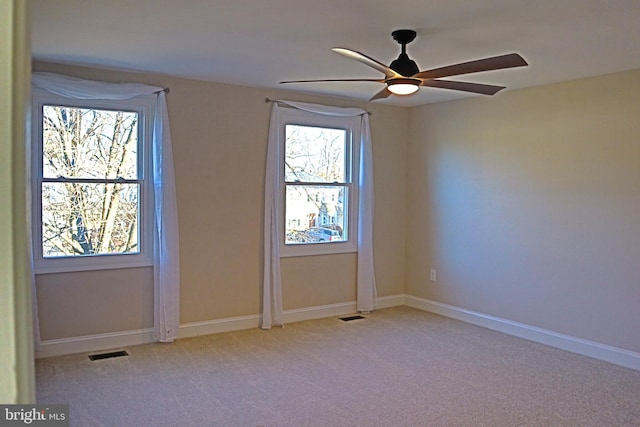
(494,63)
(388,72)
(334,80)
(384,93)
(463,86)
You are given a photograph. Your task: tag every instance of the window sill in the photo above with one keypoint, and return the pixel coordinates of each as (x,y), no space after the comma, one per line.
(311,249)
(88,264)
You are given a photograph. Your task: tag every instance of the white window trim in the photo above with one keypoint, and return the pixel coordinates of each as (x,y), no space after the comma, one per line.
(352,125)
(144,106)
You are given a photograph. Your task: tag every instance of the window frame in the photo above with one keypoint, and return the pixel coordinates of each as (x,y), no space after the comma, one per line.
(291,116)
(142,105)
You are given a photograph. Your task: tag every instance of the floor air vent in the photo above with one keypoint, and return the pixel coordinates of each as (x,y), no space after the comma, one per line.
(349,318)
(108,355)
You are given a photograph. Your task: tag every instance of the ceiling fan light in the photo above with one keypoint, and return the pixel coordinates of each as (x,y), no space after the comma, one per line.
(403,86)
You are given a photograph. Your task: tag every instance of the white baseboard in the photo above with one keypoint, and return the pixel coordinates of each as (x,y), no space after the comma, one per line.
(390,301)
(289,316)
(622,357)
(318,312)
(101,342)
(91,343)
(217,326)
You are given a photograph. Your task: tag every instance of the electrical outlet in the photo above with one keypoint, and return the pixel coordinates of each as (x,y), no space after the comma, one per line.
(432,275)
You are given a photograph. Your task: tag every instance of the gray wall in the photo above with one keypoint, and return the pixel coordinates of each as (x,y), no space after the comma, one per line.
(219,135)
(528,206)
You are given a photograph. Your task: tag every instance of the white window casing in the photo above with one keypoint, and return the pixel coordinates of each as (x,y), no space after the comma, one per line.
(143,106)
(351,126)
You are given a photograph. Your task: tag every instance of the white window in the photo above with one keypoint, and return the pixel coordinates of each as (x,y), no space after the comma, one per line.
(319,156)
(92,205)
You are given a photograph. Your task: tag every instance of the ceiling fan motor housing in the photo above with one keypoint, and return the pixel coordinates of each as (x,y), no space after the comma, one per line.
(404,65)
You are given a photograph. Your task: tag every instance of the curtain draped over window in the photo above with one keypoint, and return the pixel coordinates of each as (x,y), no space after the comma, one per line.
(166,283)
(272,283)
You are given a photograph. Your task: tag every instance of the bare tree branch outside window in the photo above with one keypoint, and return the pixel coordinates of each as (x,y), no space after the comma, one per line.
(317,182)
(90,184)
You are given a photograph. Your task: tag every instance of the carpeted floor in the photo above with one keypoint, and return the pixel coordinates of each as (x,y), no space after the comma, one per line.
(397,367)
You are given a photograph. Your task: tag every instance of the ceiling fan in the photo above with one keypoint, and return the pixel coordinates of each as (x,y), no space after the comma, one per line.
(402,76)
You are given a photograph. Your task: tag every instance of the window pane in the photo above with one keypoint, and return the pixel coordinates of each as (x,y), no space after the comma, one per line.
(315,214)
(88,143)
(89,219)
(314,154)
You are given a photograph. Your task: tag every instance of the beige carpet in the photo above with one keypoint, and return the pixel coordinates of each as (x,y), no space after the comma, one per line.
(397,367)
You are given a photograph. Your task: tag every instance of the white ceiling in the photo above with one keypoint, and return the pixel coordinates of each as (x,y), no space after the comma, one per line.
(261,42)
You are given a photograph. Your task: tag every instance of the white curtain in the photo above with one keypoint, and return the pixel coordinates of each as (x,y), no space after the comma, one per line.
(272,283)
(166,265)
(34,296)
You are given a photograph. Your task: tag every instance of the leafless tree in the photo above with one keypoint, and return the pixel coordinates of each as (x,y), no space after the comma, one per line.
(314,167)
(90,189)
